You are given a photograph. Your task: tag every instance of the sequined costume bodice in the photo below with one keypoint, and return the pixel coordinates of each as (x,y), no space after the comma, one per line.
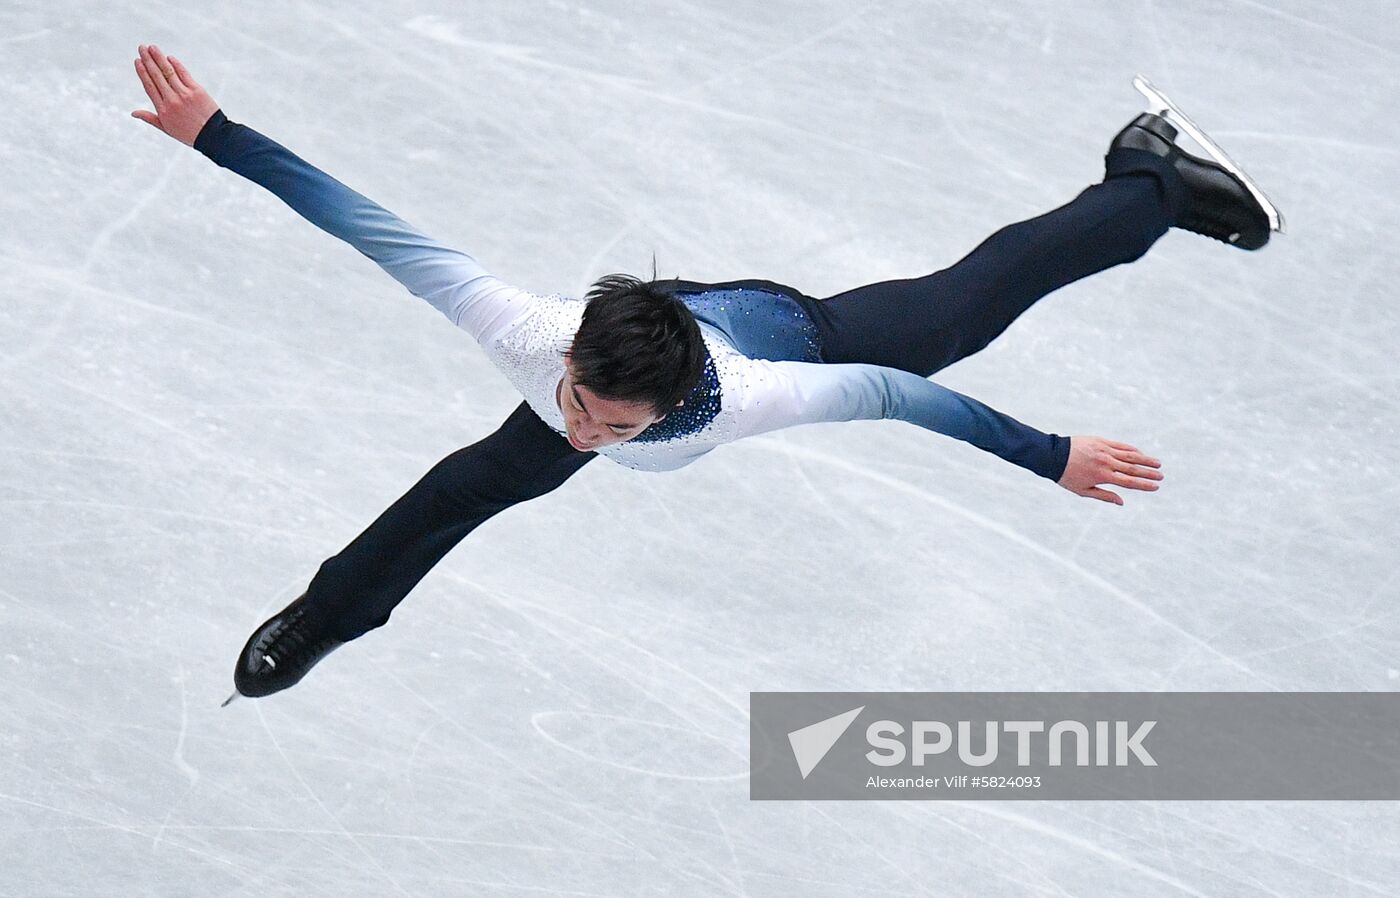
(738,326)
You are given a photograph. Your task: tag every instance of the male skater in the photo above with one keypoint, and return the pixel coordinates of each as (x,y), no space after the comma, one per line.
(654,374)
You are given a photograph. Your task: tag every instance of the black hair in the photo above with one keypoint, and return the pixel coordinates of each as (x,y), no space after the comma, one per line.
(637,343)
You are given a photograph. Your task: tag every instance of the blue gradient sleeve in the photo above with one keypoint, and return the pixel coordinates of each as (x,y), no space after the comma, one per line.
(783,394)
(451,281)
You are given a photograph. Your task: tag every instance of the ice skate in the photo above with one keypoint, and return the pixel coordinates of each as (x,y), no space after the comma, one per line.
(1222,201)
(281,652)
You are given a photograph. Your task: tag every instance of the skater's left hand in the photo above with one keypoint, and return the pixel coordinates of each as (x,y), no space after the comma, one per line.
(182,106)
(1094,461)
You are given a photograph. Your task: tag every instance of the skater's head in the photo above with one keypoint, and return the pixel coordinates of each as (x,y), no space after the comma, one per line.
(636,356)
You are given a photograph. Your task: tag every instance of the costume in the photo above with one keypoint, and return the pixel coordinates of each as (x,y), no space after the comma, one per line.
(775,357)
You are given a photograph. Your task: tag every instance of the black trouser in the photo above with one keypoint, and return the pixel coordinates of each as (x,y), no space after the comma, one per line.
(926,324)
(522,460)
(920,325)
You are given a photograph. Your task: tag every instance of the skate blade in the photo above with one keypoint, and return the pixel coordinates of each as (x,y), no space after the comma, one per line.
(1160,104)
(229,699)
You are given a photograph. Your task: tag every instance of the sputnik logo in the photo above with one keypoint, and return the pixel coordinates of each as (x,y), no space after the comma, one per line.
(811,743)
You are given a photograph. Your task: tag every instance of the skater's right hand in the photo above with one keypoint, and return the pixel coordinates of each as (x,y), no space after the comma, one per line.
(182,106)
(1094,461)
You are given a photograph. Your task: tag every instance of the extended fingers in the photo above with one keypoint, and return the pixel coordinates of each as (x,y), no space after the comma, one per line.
(152,91)
(164,93)
(1133,476)
(1132,483)
(1136,458)
(185,77)
(1139,471)
(1102,495)
(167,68)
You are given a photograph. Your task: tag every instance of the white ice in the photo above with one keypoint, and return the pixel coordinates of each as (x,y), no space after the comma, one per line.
(204,397)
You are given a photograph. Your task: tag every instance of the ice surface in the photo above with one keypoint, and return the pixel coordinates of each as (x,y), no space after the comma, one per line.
(204,397)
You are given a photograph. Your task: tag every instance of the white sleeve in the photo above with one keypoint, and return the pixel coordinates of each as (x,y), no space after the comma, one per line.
(785,394)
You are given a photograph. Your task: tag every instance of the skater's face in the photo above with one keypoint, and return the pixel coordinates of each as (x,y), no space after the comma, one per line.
(593,422)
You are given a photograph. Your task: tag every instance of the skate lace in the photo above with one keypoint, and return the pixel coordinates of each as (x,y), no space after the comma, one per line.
(291,646)
(1208,227)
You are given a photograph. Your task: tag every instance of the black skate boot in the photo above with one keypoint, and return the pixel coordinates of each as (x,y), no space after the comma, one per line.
(1221,201)
(282,651)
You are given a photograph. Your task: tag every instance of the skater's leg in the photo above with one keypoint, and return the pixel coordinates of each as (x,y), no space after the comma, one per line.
(355,590)
(925,324)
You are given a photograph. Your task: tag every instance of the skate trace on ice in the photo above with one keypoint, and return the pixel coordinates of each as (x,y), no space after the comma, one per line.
(206,398)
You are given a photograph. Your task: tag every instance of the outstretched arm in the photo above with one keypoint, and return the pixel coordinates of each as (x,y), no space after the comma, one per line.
(783,394)
(451,281)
